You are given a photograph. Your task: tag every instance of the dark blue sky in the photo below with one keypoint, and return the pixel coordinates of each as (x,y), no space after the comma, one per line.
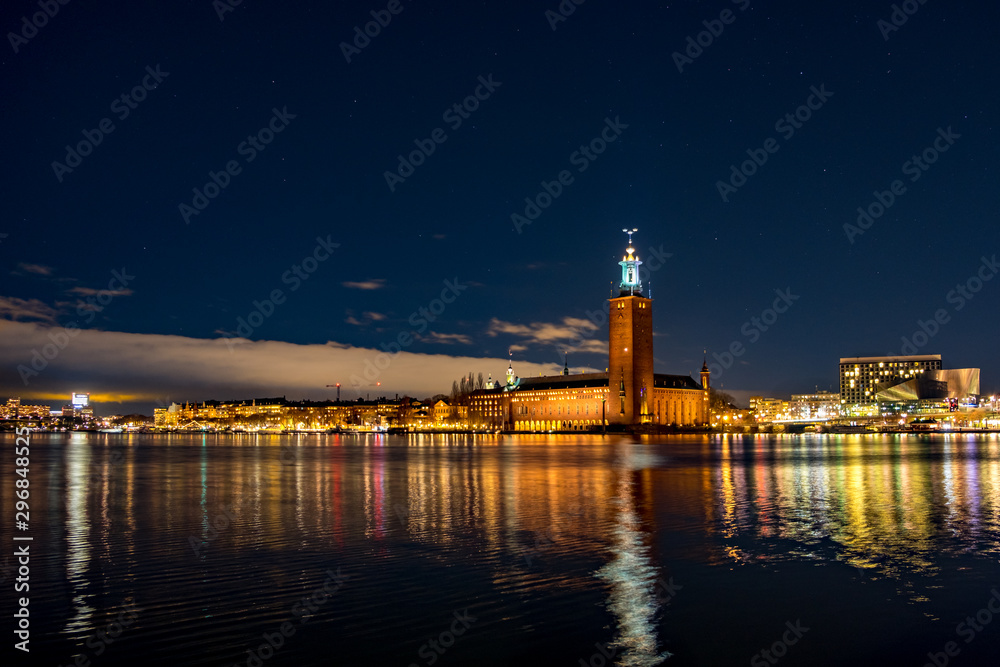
(323,176)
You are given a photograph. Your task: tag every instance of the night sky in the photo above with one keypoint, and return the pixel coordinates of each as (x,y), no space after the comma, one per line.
(176,280)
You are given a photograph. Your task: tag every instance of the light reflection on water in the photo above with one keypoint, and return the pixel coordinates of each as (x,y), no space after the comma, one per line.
(78,536)
(887,504)
(555,541)
(631,573)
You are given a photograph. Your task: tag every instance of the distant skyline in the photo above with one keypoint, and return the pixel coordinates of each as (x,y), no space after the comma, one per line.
(229,209)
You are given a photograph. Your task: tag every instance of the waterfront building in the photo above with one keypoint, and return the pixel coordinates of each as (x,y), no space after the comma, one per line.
(629,393)
(821,405)
(280,413)
(896,386)
(860,377)
(15,409)
(768,410)
(447,414)
(934,394)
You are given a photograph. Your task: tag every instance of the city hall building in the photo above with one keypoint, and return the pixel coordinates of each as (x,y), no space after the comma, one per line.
(629,393)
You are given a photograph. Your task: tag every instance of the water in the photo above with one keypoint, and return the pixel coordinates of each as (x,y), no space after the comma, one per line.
(545,550)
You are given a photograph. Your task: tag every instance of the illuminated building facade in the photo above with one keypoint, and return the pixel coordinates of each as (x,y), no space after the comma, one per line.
(629,393)
(860,377)
(279,414)
(958,384)
(14,409)
(821,405)
(768,410)
(893,386)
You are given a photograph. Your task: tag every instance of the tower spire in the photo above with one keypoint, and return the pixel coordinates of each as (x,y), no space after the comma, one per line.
(705,374)
(631,282)
(566,365)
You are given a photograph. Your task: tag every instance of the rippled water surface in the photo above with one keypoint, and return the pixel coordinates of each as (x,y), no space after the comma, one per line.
(545,550)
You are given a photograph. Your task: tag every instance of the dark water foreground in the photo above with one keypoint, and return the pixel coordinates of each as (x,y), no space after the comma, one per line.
(433,550)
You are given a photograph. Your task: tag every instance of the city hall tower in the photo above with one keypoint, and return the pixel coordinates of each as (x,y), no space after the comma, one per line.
(630,346)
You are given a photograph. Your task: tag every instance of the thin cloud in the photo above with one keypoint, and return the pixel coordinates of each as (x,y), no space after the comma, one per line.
(12,308)
(370,284)
(589,345)
(37,269)
(445,339)
(569,335)
(90,291)
(366,318)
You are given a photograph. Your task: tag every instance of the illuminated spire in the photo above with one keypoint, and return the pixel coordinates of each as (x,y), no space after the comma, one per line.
(631,283)
(566,365)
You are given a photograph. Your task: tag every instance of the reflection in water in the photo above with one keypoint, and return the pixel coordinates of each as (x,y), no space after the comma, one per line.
(887,504)
(525,522)
(78,487)
(631,573)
